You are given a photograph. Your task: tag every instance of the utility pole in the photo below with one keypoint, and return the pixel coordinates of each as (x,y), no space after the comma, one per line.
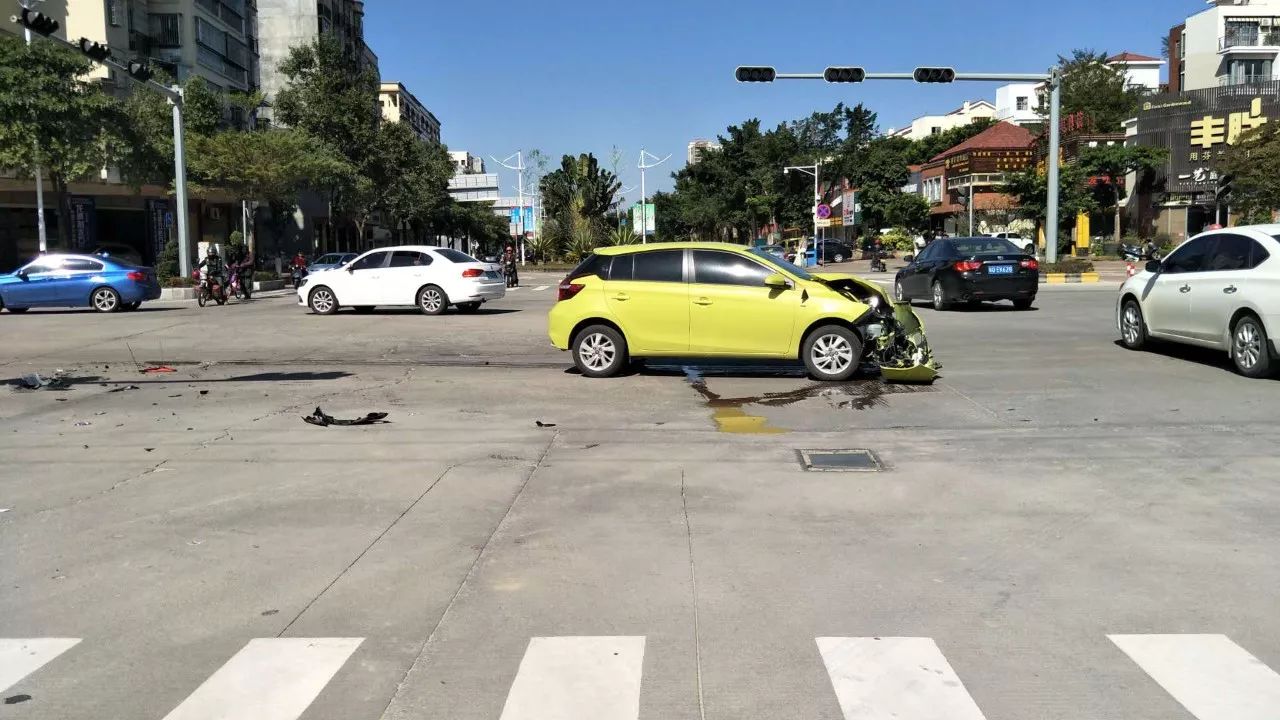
(519,168)
(40,226)
(644,221)
(1055,112)
(971,203)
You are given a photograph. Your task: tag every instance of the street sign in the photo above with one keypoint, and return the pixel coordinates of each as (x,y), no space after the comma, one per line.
(824,211)
(824,222)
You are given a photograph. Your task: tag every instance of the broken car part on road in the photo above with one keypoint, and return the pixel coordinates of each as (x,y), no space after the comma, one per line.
(901,349)
(319,417)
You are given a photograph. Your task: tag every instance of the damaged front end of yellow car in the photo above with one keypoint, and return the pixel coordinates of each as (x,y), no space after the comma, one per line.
(900,347)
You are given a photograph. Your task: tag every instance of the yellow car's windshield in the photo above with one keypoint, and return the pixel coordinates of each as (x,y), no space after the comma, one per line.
(778,262)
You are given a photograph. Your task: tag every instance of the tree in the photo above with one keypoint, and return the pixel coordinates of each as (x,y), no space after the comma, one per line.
(1099,90)
(53,115)
(332,97)
(272,166)
(577,196)
(1114,162)
(1031,190)
(909,211)
(1252,167)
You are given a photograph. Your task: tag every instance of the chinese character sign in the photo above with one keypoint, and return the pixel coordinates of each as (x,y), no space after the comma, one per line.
(1209,130)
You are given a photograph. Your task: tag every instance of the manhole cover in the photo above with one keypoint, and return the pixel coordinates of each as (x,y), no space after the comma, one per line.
(855,460)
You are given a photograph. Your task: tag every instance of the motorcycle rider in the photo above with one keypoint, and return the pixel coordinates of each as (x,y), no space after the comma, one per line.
(509,266)
(213,270)
(299,269)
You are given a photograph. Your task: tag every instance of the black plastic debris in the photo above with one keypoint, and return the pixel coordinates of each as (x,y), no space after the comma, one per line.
(123,388)
(539,423)
(36,381)
(15,699)
(319,417)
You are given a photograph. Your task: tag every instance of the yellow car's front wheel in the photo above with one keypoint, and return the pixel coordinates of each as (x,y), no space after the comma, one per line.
(599,351)
(832,353)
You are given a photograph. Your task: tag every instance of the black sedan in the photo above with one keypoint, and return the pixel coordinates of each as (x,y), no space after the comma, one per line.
(970,270)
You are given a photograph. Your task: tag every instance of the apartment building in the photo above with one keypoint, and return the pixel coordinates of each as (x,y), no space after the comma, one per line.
(464,163)
(1233,42)
(285,24)
(933,124)
(400,105)
(697,148)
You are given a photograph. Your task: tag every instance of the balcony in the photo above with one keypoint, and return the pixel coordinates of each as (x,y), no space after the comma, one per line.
(1260,42)
(1230,80)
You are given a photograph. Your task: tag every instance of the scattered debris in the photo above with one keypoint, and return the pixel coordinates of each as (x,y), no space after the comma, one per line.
(157,369)
(61,399)
(320,418)
(176,396)
(15,699)
(35,381)
(101,412)
(83,423)
(266,613)
(204,392)
(5,510)
(539,423)
(592,445)
(149,449)
(195,542)
(123,388)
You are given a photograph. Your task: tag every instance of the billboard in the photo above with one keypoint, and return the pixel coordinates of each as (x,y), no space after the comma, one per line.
(84,222)
(649,222)
(1198,126)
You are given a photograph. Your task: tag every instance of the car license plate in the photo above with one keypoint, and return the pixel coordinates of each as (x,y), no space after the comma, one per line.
(491,275)
(999,269)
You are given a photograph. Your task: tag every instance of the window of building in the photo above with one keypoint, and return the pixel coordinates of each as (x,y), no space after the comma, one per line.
(166,28)
(1023,103)
(114,13)
(1249,71)
(935,130)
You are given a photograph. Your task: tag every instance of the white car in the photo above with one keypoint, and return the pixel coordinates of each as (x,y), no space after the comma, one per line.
(1220,289)
(1026,246)
(432,278)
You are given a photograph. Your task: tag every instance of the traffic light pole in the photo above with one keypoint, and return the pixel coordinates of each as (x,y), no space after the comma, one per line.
(174,95)
(1054,79)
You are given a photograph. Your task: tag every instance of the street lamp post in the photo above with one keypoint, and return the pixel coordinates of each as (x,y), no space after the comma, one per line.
(643,165)
(519,168)
(816,171)
(41,230)
(948,75)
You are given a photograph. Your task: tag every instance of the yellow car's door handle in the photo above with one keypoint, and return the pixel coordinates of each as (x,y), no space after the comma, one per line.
(622,296)
(702,301)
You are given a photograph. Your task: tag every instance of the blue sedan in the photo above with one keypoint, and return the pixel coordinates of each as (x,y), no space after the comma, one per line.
(95,281)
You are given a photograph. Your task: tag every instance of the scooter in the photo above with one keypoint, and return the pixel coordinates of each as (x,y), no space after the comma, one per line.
(237,288)
(511,273)
(207,290)
(297,274)
(1134,253)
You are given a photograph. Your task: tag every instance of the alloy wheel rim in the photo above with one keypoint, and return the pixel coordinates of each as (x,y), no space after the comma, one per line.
(597,351)
(937,293)
(1131,325)
(104,300)
(431,300)
(897,291)
(322,301)
(1248,345)
(832,354)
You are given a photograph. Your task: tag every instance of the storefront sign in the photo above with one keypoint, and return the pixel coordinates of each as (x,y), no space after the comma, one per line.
(84,223)
(1199,126)
(158,221)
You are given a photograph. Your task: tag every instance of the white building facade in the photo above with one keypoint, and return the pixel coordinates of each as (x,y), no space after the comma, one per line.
(928,125)
(1233,42)
(401,106)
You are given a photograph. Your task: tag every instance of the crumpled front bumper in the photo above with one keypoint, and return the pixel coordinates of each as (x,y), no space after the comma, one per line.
(903,351)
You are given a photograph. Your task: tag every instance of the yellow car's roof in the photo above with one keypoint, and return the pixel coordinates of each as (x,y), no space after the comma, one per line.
(627,249)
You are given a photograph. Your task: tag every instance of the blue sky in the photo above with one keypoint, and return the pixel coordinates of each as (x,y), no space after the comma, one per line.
(570,76)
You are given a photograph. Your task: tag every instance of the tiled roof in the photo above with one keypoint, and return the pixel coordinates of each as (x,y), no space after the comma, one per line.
(1002,135)
(1132,57)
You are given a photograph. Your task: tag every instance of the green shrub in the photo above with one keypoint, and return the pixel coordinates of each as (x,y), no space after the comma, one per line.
(265,276)
(1068,265)
(176,281)
(167,263)
(897,239)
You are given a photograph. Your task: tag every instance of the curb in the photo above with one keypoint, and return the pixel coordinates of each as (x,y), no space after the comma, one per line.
(1065,278)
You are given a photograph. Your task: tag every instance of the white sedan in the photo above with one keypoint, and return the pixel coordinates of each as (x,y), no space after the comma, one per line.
(1218,290)
(432,278)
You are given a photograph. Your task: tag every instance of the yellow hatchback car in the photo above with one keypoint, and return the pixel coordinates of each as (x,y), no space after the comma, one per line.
(718,300)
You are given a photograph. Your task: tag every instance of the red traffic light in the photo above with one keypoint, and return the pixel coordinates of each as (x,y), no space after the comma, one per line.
(755,74)
(844,74)
(934,75)
(38,22)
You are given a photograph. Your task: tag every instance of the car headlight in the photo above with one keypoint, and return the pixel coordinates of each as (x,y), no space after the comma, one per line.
(875,302)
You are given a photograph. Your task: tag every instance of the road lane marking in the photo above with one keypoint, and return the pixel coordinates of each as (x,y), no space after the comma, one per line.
(269,679)
(540,288)
(1212,677)
(577,678)
(895,679)
(21,657)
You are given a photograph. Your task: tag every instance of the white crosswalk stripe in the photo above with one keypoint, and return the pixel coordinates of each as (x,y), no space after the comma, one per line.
(577,678)
(540,288)
(269,679)
(1212,677)
(899,678)
(21,657)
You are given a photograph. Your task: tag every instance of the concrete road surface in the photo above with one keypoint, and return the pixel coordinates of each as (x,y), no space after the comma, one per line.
(1061,529)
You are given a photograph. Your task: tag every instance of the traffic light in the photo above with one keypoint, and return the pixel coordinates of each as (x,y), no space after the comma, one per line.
(934,75)
(140,71)
(95,50)
(755,74)
(844,74)
(38,22)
